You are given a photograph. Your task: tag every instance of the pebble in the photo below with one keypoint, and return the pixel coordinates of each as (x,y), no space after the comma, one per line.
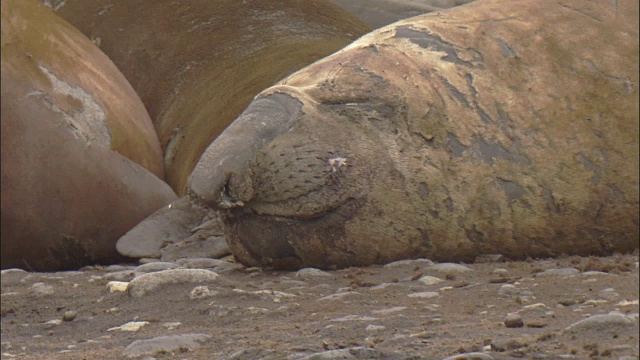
(167,344)
(355,318)
(430,280)
(12,276)
(339,296)
(471,356)
(311,272)
(39,289)
(171,325)
(114,268)
(124,275)
(504,345)
(155,266)
(252,354)
(389,310)
(147,260)
(409,263)
(513,321)
(601,323)
(424,295)
(358,352)
(372,327)
(69,315)
(145,283)
(131,326)
(450,268)
(201,292)
(559,272)
(120,286)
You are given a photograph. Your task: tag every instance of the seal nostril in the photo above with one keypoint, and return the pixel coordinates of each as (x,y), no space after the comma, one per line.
(227,198)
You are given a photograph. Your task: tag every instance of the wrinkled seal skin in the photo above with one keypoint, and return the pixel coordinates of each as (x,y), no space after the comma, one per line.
(378,13)
(76,146)
(494,127)
(197,64)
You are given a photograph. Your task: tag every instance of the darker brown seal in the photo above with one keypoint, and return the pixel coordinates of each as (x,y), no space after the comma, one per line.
(79,152)
(197,64)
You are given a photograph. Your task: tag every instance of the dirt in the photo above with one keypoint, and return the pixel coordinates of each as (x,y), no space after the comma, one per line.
(366,312)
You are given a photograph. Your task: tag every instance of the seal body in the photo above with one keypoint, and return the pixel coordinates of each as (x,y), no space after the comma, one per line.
(378,13)
(80,158)
(197,64)
(494,127)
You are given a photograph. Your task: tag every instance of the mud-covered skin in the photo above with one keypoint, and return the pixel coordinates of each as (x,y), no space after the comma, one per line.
(491,128)
(197,64)
(78,147)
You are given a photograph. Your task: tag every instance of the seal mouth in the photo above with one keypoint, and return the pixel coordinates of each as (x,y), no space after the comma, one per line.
(286,241)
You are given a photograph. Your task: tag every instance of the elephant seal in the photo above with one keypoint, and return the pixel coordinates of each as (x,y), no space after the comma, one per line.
(197,64)
(80,158)
(494,127)
(378,13)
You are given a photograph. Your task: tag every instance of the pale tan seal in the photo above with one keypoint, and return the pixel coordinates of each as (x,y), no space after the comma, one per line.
(495,127)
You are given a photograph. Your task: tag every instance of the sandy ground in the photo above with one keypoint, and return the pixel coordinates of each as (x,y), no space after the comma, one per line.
(567,308)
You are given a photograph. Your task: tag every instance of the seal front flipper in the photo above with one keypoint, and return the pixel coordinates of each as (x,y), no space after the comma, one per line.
(170,224)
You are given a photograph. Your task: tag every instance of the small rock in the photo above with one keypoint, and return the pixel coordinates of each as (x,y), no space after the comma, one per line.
(372,327)
(450,268)
(145,283)
(471,356)
(155,266)
(124,275)
(512,290)
(116,267)
(358,352)
(147,260)
(51,323)
(171,325)
(120,286)
(601,323)
(559,272)
(311,272)
(251,354)
(513,321)
(537,324)
(339,296)
(505,345)
(355,318)
(39,289)
(166,344)
(424,295)
(69,315)
(424,335)
(201,292)
(12,276)
(609,294)
(389,310)
(430,280)
(131,326)
(409,263)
